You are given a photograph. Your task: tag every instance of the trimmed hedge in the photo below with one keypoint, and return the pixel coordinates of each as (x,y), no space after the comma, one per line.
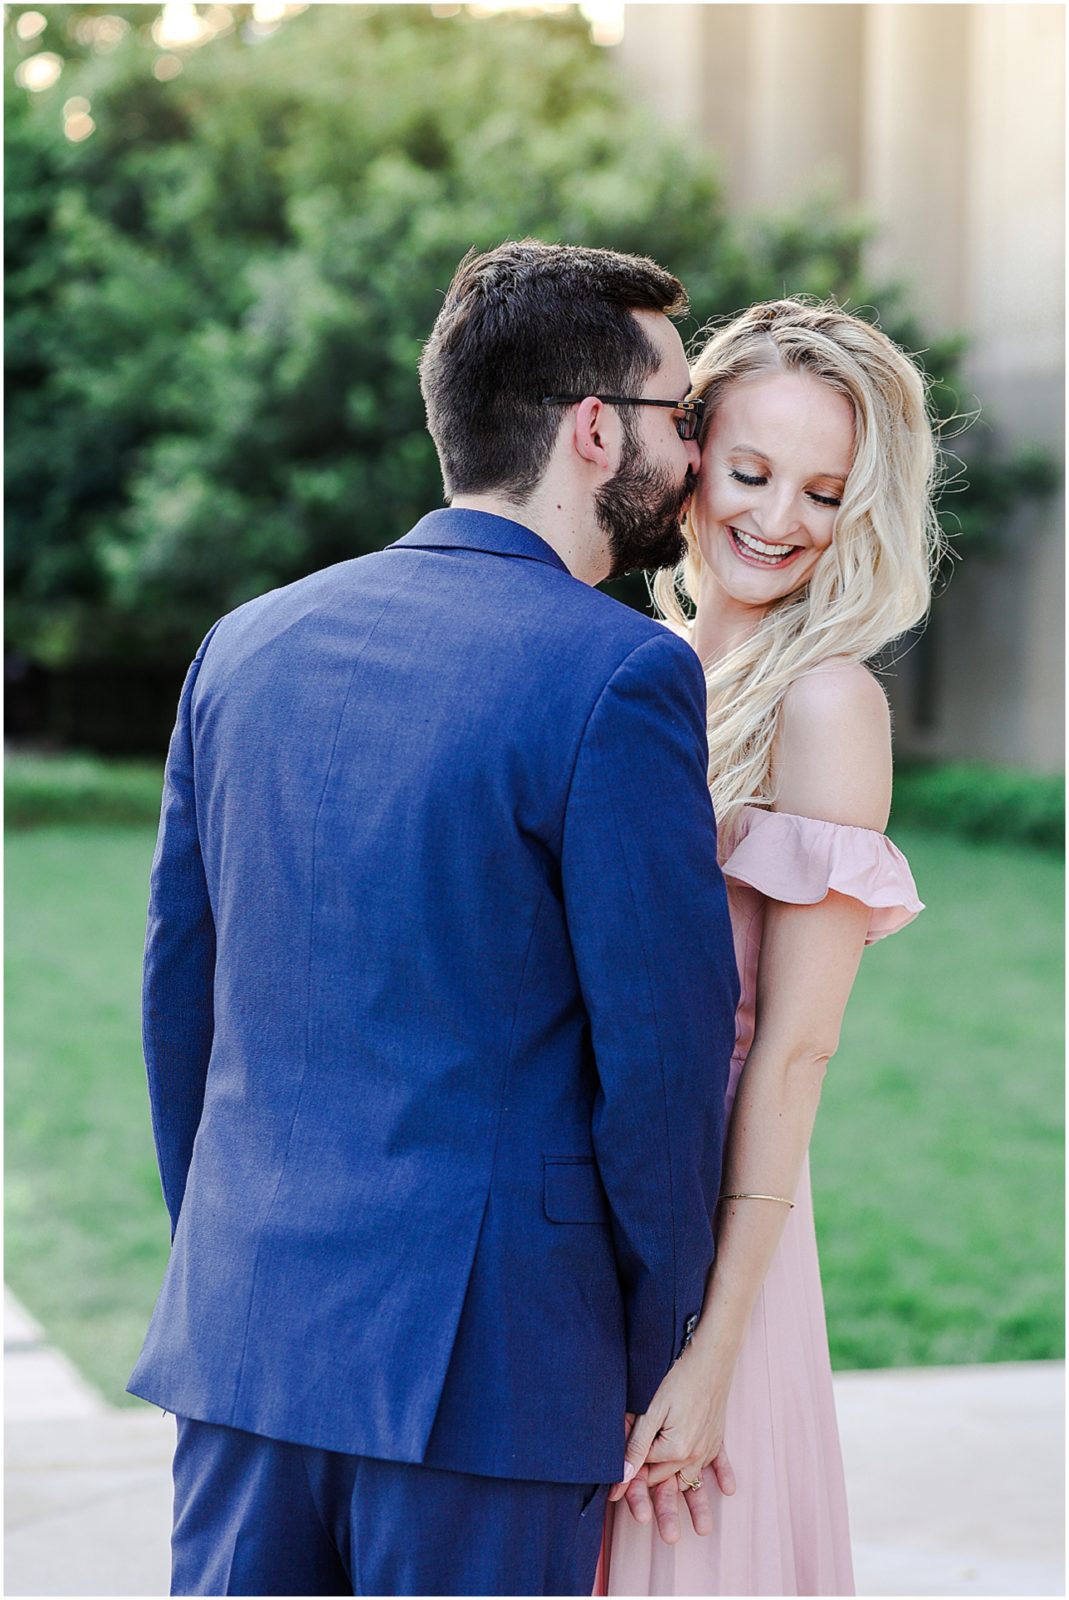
(44,789)
(972,801)
(980,802)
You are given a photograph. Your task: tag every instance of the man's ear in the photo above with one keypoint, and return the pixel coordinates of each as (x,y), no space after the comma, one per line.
(594,425)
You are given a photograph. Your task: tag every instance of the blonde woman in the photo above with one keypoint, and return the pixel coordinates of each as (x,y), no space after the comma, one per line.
(811,546)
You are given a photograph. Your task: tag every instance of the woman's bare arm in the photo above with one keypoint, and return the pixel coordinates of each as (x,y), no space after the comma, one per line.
(833,763)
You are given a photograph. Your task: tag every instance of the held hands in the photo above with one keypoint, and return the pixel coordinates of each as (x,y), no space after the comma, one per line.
(682,1431)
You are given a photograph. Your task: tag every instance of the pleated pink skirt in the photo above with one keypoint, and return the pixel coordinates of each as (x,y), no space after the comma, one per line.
(785,1531)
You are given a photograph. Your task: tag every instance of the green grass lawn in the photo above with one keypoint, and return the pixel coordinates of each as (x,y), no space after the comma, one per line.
(937,1158)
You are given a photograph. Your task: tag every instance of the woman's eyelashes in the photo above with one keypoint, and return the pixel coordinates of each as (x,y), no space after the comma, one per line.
(758,482)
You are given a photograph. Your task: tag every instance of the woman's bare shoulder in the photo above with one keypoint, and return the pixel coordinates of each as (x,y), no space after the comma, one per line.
(839,687)
(833,746)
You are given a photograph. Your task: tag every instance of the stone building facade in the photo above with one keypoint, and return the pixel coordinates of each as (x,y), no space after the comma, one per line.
(945,125)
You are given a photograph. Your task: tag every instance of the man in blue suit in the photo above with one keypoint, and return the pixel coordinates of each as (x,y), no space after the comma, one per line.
(439,988)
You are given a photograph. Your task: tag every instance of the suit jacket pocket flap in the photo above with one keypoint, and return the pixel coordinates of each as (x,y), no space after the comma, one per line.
(573,1191)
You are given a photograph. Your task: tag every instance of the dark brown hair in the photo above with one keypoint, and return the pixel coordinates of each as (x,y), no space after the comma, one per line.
(525,320)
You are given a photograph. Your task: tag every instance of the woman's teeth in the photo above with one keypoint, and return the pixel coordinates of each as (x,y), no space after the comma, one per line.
(773,555)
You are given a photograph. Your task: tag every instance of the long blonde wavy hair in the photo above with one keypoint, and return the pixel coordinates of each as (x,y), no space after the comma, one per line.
(874,580)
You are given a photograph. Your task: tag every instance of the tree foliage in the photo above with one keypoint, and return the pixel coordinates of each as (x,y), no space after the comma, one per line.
(216,300)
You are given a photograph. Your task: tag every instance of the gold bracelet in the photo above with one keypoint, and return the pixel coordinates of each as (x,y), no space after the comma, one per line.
(778,1198)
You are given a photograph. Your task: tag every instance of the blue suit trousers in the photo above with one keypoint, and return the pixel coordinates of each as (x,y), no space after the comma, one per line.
(258,1516)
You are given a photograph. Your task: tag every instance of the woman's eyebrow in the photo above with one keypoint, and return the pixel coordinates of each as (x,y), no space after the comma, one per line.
(752,450)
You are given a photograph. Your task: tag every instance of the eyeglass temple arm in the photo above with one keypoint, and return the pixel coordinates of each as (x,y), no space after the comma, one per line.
(621,400)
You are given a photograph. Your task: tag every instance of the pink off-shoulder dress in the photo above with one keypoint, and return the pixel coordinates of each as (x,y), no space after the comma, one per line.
(785,1531)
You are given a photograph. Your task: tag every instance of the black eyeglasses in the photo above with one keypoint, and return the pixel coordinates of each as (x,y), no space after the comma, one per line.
(687,423)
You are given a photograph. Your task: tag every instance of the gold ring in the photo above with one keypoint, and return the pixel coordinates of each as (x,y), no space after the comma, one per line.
(687,1484)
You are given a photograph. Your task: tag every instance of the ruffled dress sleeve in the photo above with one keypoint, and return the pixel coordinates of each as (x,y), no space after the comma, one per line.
(799,859)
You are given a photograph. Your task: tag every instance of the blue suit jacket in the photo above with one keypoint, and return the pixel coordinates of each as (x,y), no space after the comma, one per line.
(439,1000)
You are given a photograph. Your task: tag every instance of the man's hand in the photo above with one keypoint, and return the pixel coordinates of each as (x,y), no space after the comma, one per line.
(662,1502)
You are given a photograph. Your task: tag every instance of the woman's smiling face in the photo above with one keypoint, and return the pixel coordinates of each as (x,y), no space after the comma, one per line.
(775,461)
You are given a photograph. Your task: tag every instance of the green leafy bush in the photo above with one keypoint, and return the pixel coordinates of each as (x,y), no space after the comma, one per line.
(978,802)
(216,301)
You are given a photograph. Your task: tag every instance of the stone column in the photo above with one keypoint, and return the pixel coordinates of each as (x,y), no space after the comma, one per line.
(661,55)
(1015,277)
(912,133)
(772,90)
(802,104)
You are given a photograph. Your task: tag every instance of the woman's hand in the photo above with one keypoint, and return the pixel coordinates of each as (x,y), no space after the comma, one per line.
(661,1500)
(682,1431)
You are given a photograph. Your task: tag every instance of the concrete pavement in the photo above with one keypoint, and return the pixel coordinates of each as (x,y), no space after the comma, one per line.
(87,1503)
(955,1478)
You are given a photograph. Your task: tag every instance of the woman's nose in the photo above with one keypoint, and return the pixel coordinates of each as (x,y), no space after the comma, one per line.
(779,516)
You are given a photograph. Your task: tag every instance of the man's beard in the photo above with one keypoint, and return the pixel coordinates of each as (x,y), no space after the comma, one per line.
(641,510)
